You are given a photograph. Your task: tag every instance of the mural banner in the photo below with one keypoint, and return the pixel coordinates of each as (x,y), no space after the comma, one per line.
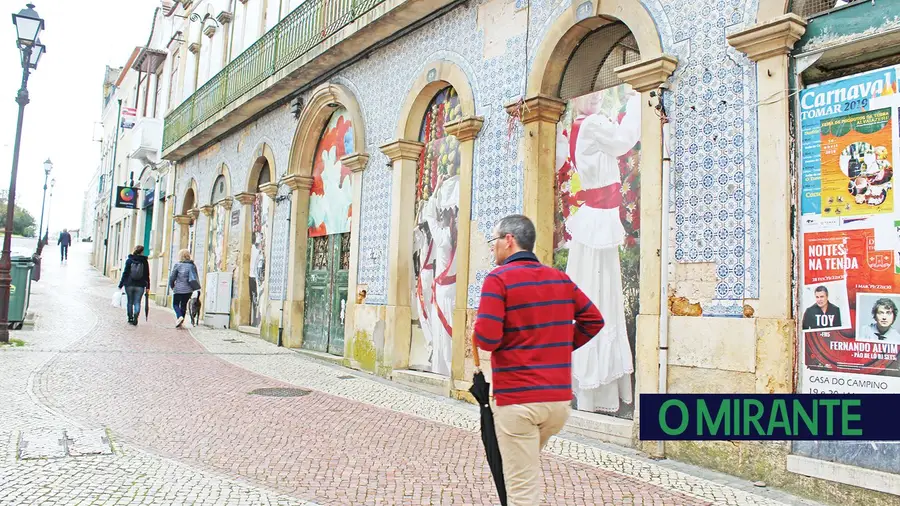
(850,242)
(331,195)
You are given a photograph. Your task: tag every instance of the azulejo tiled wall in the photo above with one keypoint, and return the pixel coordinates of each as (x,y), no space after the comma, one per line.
(712,103)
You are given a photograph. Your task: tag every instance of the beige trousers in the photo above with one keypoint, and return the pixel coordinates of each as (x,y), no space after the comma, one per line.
(522,432)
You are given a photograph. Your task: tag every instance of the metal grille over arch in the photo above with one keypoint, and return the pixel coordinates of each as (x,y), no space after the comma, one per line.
(592,65)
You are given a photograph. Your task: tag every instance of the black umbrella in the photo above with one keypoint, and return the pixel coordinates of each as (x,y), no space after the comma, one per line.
(146,305)
(480,389)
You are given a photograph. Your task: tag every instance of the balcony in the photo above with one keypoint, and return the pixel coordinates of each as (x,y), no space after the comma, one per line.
(145,139)
(315,38)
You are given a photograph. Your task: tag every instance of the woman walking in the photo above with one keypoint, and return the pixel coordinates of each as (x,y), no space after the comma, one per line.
(135,280)
(184,280)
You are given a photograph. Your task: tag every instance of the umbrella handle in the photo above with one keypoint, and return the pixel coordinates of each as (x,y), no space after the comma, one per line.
(475,356)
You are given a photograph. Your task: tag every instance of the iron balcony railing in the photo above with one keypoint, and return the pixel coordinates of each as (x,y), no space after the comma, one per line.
(300,31)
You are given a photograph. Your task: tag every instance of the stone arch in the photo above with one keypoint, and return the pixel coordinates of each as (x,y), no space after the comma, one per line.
(405,154)
(566,32)
(540,113)
(318,110)
(434,77)
(263,157)
(225,173)
(189,201)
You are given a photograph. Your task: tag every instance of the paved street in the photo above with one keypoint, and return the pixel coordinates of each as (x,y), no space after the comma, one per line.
(95,411)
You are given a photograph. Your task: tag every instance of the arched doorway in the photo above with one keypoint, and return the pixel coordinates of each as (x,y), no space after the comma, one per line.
(189,212)
(258,239)
(216,253)
(328,237)
(435,236)
(597,218)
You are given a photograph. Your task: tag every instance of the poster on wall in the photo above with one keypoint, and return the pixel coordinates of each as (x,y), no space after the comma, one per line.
(331,195)
(597,237)
(258,239)
(850,240)
(435,237)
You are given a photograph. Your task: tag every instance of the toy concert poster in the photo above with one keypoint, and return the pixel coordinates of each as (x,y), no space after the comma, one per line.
(849,300)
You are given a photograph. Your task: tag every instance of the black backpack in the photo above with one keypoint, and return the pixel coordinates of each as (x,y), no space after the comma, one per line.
(137,270)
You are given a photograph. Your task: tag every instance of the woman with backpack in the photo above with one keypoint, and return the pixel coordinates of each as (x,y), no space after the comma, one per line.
(135,280)
(184,281)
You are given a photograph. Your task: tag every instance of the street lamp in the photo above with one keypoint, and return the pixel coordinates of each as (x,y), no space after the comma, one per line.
(49,206)
(28,29)
(48,166)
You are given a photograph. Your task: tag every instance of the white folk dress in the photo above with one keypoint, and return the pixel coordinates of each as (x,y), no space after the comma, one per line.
(602,368)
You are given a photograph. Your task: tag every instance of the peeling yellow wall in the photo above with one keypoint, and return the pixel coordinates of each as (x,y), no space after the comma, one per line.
(366,346)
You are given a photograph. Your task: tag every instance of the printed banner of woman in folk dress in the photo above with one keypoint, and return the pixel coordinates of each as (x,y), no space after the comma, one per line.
(435,235)
(597,236)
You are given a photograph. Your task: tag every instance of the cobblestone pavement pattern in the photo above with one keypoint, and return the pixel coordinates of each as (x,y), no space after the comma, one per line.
(181,425)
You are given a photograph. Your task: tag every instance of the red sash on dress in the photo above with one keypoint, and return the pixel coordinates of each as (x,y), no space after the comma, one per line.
(606,197)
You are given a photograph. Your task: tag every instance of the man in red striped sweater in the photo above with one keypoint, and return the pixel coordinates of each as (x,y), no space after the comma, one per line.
(531,317)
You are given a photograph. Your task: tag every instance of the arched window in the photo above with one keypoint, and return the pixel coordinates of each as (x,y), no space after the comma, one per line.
(435,236)
(810,8)
(593,63)
(218,190)
(597,222)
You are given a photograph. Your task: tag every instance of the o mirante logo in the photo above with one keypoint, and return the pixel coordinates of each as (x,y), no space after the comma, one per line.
(776,417)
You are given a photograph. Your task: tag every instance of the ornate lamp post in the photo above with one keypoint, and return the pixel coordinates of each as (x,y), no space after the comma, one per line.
(48,166)
(28,29)
(49,205)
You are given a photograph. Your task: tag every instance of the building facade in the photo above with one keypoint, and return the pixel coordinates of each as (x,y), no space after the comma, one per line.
(336,169)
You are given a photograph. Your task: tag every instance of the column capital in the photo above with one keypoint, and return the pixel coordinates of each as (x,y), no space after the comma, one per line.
(537,108)
(772,38)
(194,47)
(226,203)
(356,162)
(182,219)
(465,129)
(270,189)
(647,75)
(225,17)
(245,198)
(297,182)
(207,210)
(193,213)
(402,149)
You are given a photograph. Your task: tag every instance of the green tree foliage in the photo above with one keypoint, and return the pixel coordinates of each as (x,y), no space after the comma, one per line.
(23,222)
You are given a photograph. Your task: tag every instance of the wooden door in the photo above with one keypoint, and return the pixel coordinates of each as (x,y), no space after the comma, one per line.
(327,266)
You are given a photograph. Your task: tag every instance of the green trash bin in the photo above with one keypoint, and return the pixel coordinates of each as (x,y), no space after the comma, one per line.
(19,290)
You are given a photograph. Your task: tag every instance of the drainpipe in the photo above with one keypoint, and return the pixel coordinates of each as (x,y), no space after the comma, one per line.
(287,251)
(664,262)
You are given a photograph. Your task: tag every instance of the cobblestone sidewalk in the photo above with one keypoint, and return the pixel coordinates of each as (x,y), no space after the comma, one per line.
(177,416)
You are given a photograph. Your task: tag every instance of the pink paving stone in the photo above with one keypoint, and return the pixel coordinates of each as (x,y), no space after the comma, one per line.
(158,388)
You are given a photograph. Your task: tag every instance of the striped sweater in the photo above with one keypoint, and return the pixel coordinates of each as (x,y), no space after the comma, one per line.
(531,317)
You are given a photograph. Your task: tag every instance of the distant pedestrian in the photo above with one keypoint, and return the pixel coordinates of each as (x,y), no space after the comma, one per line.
(64,241)
(136,280)
(183,275)
(531,317)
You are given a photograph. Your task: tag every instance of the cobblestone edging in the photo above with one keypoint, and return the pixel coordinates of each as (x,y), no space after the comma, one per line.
(266,359)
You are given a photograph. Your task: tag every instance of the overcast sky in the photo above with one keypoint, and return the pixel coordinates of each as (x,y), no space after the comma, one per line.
(82,37)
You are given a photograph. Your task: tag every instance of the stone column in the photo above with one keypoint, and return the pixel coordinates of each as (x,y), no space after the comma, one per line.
(539,115)
(645,77)
(192,243)
(769,45)
(270,190)
(465,130)
(207,211)
(404,155)
(295,294)
(184,223)
(225,207)
(240,306)
(356,162)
